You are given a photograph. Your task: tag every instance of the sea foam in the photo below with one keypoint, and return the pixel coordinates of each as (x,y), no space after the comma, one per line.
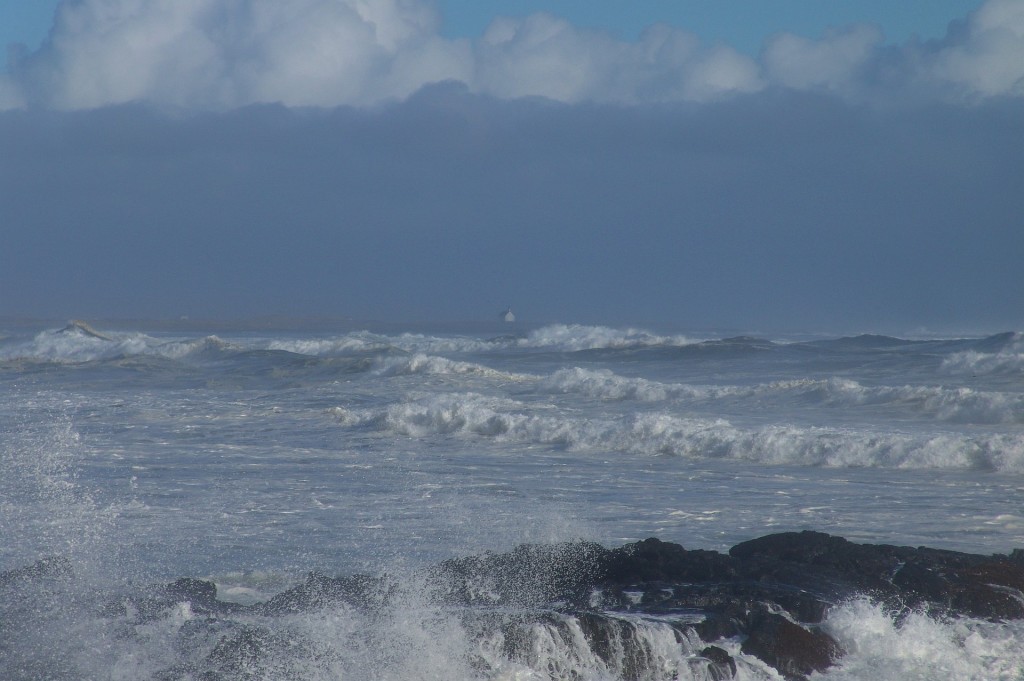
(951,404)
(659,433)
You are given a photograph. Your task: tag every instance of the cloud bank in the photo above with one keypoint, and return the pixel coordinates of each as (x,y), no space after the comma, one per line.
(777,210)
(223,54)
(234,158)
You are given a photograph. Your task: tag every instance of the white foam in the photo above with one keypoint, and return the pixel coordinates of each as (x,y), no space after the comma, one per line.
(954,405)
(355,343)
(439,366)
(921,647)
(208,346)
(573,337)
(606,385)
(659,433)
(73,345)
(559,649)
(557,337)
(1008,360)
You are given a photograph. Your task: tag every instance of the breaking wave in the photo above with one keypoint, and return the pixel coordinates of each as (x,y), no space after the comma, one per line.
(79,343)
(660,434)
(555,337)
(1007,359)
(882,647)
(954,405)
(75,343)
(575,337)
(440,366)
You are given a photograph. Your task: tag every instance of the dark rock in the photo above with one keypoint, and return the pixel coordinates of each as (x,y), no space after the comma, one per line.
(244,651)
(320,591)
(196,591)
(991,589)
(920,583)
(47,568)
(726,622)
(837,562)
(653,560)
(722,666)
(790,648)
(769,592)
(528,575)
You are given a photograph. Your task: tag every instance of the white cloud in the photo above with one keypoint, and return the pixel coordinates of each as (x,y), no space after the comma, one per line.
(989,58)
(544,55)
(831,63)
(220,54)
(226,53)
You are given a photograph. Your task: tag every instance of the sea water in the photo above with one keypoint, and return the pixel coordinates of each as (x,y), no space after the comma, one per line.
(250,458)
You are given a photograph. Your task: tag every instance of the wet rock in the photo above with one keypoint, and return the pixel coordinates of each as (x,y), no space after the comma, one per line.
(722,666)
(320,591)
(725,622)
(903,576)
(653,560)
(793,650)
(769,592)
(530,574)
(199,592)
(48,568)
(243,649)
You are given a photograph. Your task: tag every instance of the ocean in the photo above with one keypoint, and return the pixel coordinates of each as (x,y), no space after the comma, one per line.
(135,455)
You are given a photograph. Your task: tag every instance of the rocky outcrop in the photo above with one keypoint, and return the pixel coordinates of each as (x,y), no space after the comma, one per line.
(768,596)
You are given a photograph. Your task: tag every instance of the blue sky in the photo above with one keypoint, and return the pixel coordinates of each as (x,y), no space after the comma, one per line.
(743,166)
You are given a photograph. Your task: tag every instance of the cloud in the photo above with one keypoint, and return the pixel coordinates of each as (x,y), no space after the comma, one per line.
(832,63)
(221,54)
(217,54)
(981,56)
(984,57)
(542,55)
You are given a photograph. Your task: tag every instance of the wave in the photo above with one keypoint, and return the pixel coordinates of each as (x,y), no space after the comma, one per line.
(575,337)
(887,648)
(77,342)
(421,364)
(358,343)
(660,434)
(793,605)
(865,341)
(954,405)
(555,337)
(71,345)
(209,347)
(1001,355)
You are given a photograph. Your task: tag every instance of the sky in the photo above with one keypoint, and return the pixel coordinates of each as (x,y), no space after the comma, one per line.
(840,166)
(744,24)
